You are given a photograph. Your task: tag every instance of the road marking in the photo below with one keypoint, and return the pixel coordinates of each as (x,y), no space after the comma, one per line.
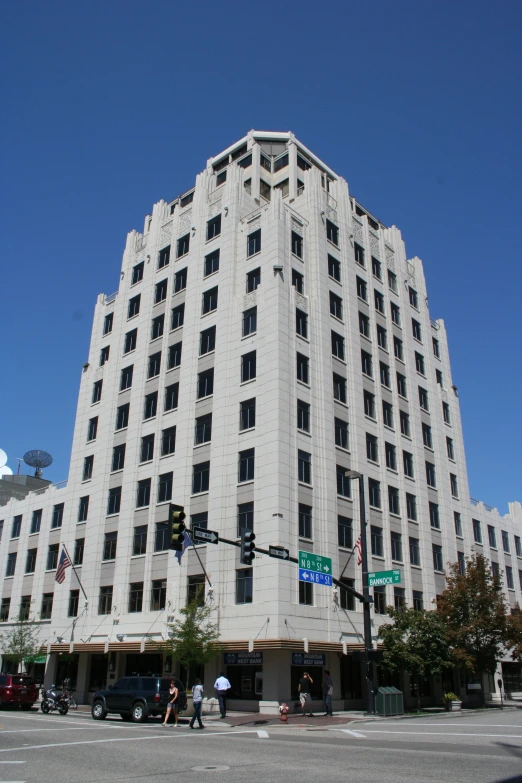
(87,719)
(263,734)
(13,762)
(473,725)
(442,734)
(34,731)
(351,732)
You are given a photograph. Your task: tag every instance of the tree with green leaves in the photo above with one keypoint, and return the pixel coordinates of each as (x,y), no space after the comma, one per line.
(474,611)
(20,643)
(414,642)
(193,640)
(514,633)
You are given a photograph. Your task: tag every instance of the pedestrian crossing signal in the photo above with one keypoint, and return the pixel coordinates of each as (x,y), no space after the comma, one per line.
(247,547)
(177,527)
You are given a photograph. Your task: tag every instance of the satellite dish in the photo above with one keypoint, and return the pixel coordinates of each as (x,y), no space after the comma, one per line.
(4,470)
(3,458)
(38,459)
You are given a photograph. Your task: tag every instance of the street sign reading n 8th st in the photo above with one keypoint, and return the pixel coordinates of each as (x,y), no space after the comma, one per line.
(310,561)
(379,578)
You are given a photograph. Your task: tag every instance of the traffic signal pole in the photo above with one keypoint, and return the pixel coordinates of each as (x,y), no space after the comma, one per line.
(368,644)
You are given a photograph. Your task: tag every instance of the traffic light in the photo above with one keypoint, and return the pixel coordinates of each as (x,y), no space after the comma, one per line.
(247,547)
(177,527)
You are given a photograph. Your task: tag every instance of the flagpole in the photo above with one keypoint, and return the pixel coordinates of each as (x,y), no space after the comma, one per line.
(75,572)
(348,561)
(201,564)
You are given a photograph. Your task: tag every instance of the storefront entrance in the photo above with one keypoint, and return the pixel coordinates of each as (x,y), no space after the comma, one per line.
(144,663)
(315,672)
(245,674)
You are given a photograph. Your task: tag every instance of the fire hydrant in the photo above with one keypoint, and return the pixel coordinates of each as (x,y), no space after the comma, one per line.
(283,712)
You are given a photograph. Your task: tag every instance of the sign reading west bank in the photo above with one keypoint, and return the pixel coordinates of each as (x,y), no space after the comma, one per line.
(243,658)
(378,578)
(308,659)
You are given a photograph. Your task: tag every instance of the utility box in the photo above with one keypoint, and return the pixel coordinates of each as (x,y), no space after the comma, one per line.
(389,701)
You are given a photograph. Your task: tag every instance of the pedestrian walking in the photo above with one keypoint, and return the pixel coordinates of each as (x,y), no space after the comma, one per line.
(305,696)
(328,692)
(197,700)
(172,705)
(222,686)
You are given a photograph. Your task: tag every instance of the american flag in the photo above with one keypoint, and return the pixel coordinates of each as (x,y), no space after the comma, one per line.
(65,562)
(359,551)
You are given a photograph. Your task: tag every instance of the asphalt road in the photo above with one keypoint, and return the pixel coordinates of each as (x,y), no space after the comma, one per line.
(455,748)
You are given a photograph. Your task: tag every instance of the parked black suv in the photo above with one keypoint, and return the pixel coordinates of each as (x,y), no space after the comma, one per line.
(135,698)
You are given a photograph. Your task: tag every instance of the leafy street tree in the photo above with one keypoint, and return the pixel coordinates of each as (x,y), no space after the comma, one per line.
(415,642)
(19,643)
(193,640)
(514,633)
(474,611)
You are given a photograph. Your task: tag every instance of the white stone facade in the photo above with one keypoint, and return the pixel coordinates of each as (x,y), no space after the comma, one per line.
(298,216)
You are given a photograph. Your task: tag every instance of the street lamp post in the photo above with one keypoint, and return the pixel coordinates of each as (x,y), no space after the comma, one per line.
(368,645)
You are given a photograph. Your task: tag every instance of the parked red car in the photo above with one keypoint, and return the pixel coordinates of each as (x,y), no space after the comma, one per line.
(18,689)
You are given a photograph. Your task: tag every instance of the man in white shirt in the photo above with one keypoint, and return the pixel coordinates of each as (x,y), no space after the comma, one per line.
(222,685)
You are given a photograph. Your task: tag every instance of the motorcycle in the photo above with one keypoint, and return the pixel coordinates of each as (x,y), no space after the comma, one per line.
(53,700)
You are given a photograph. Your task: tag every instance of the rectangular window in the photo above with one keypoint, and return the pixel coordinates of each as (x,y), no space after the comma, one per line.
(395,313)
(382,338)
(379,600)
(423,399)
(180,280)
(161,537)
(377,541)
(281,162)
(458,524)
(139,543)
(399,599)
(244,579)
(303,416)
(405,423)
(254,243)
(337,345)
(52,557)
(492,538)
(165,487)
(407,459)
(384,372)
(369,404)
(426,436)
(105,600)
(418,602)
(174,356)
(158,324)
(438,376)
(438,564)
(306,594)
(305,521)
(164,257)
(391,456)
(211,264)
(118,457)
(334,268)
(374,493)
(509,578)
(4,610)
(177,316)
(147,448)
(454,485)
(414,551)
(57,517)
(393,501)
(346,597)
(133,307)
(430,475)
(207,340)
(249,321)
(74,598)
(16,526)
(518,547)
(126,377)
(379,301)
(398,348)
(171,397)
(245,518)
(200,477)
(247,414)
(364,325)
(392,281)
(336,306)
(298,281)
(411,507)
(434,516)
(387,414)
(96,392)
(344,532)
(213,227)
(343,482)
(248,366)
(332,233)
(83,509)
(36,521)
(477,532)
(401,385)
(109,545)
(11,564)
(107,323)
(376,268)
(114,502)
(30,562)
(358,254)
(143,493)
(79,546)
(372,452)
(416,330)
(414,301)
(419,363)
(341,433)
(264,187)
(505,541)
(297,245)
(168,441)
(210,300)
(104,355)
(154,365)
(158,595)
(136,597)
(122,416)
(495,569)
(47,606)
(137,273)
(130,341)
(151,405)
(362,289)
(339,384)
(183,246)
(366,363)
(203,429)
(301,323)
(205,383)
(304,467)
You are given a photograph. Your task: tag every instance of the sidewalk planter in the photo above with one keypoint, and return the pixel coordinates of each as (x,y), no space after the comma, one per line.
(452,703)
(455,706)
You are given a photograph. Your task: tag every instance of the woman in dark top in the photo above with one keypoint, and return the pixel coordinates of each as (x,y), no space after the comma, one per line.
(172,704)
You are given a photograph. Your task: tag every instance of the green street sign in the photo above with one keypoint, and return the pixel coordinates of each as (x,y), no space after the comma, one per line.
(378,578)
(312,562)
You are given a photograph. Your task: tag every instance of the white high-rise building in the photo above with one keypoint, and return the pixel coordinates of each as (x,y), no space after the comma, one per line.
(268,334)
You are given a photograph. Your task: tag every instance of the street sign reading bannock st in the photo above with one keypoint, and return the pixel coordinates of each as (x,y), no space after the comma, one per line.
(201,534)
(379,578)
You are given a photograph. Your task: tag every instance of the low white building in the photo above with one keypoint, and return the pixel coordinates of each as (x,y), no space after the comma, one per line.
(268,333)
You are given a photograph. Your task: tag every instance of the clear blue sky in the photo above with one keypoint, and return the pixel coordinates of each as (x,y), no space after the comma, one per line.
(110,106)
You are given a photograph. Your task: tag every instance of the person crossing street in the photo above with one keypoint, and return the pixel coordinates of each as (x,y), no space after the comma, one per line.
(222,687)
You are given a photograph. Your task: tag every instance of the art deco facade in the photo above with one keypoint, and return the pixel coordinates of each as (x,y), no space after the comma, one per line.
(268,333)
